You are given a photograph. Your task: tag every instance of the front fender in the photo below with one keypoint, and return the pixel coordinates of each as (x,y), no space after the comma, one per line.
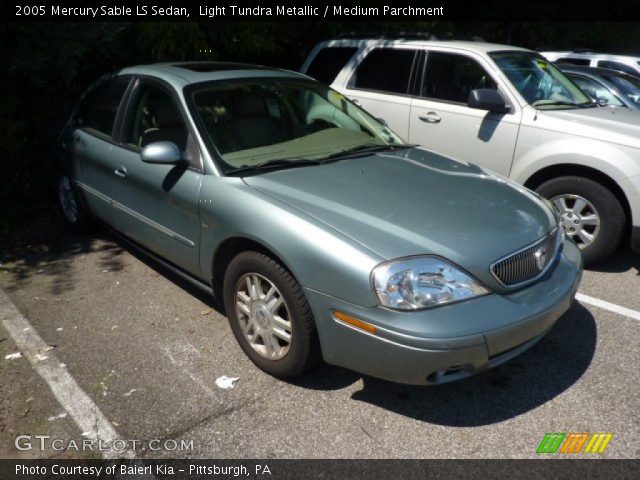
(616,161)
(319,257)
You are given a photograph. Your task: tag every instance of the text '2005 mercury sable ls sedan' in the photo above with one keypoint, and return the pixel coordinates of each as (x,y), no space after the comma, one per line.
(325,236)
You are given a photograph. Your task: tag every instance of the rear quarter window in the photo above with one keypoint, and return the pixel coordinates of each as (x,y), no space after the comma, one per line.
(328,62)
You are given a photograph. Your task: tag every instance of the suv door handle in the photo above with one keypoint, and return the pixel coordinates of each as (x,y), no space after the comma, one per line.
(431,117)
(356,102)
(121,172)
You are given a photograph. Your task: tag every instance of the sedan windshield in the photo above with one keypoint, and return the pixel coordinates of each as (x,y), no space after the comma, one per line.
(255,124)
(539,82)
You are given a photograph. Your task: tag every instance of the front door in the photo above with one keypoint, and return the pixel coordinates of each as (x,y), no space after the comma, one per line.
(154,204)
(441,121)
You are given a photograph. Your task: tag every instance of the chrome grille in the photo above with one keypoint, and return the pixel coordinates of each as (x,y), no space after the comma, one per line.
(528,263)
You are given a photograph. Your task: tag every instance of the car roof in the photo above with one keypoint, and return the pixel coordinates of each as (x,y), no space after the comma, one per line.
(596,71)
(181,74)
(589,54)
(460,44)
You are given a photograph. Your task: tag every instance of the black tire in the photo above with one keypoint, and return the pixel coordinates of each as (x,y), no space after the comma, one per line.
(304,349)
(75,215)
(611,213)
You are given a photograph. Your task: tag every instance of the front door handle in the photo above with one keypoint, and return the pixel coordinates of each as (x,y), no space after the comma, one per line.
(121,172)
(431,117)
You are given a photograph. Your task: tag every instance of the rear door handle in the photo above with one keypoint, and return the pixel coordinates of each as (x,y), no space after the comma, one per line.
(121,172)
(431,117)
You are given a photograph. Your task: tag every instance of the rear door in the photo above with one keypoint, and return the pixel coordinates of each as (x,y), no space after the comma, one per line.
(157,205)
(440,119)
(381,84)
(326,63)
(91,144)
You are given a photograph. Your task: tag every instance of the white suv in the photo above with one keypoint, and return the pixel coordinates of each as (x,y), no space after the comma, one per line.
(622,63)
(507,109)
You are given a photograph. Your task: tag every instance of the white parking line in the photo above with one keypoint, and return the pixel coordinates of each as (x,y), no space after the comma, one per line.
(612,307)
(73,399)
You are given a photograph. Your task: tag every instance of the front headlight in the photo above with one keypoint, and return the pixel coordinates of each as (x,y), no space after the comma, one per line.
(422,282)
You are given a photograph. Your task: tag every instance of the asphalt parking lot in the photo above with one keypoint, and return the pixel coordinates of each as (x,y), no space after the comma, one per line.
(146,349)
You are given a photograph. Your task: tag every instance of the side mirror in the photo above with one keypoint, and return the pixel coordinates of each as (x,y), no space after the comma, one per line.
(487,99)
(166,153)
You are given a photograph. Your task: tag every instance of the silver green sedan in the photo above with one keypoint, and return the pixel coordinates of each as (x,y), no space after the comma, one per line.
(324,235)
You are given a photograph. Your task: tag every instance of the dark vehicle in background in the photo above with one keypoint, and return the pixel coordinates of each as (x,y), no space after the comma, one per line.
(607,87)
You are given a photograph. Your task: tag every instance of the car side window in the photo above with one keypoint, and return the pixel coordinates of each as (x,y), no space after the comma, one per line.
(98,108)
(621,67)
(328,62)
(596,91)
(385,70)
(154,117)
(452,77)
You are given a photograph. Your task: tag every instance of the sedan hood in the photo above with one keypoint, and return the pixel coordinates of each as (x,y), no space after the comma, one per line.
(609,124)
(415,202)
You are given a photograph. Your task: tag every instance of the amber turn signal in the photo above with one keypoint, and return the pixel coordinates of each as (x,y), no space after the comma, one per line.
(343,317)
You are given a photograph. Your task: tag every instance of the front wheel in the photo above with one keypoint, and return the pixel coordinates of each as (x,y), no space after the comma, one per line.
(270,316)
(589,213)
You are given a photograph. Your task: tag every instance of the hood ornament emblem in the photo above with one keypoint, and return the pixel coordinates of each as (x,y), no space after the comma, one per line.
(541,258)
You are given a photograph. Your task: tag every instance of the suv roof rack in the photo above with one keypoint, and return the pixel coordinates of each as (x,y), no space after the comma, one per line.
(389,35)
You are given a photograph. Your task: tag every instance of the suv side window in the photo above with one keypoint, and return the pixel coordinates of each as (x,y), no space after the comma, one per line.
(452,77)
(99,107)
(154,117)
(385,70)
(574,61)
(328,62)
(621,67)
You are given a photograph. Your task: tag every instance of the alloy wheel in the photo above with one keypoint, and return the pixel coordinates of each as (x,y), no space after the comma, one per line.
(263,316)
(578,217)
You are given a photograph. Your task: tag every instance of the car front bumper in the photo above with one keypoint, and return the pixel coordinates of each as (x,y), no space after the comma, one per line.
(451,342)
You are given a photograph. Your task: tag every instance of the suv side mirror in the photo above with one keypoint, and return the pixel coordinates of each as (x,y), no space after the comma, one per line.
(166,153)
(487,99)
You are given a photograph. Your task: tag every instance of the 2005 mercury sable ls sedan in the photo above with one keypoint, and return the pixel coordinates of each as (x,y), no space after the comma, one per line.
(324,234)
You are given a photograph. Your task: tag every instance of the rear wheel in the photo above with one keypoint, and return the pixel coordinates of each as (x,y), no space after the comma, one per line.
(589,213)
(270,316)
(74,213)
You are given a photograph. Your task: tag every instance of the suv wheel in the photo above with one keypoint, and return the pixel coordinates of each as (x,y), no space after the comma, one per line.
(270,316)
(589,213)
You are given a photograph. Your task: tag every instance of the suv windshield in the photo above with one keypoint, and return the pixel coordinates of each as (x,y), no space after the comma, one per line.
(540,83)
(260,122)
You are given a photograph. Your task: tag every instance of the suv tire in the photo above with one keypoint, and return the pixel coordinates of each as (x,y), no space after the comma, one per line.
(572,192)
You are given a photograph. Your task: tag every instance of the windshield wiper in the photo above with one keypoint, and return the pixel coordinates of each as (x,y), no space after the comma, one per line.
(274,165)
(368,148)
(539,103)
